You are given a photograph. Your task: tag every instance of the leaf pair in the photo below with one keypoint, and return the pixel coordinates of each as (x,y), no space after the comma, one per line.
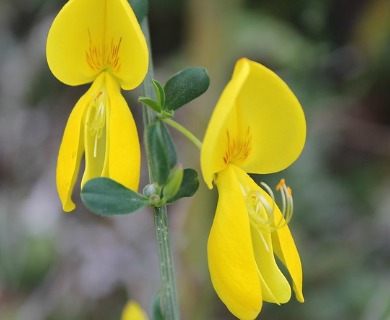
(106,197)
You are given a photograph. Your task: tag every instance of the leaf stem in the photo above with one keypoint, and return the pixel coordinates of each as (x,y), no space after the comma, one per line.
(169,302)
(184,131)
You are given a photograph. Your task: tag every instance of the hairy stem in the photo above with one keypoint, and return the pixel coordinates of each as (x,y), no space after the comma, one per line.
(169,302)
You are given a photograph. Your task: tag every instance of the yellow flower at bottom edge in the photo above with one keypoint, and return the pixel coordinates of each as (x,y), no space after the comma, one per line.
(133,311)
(258,126)
(98,41)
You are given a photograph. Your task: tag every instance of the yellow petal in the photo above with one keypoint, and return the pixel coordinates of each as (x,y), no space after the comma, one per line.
(133,311)
(133,52)
(286,251)
(257,121)
(267,106)
(222,123)
(230,254)
(274,284)
(71,151)
(122,140)
(89,36)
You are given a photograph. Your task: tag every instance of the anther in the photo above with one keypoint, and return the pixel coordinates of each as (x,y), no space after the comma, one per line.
(281,184)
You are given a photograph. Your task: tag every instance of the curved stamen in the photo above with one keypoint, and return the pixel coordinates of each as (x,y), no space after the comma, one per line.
(261,210)
(287,202)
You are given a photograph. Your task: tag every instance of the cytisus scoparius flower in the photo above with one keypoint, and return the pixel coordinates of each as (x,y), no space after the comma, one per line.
(98,41)
(258,126)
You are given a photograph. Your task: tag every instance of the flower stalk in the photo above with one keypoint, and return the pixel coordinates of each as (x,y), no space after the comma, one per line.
(189,135)
(169,302)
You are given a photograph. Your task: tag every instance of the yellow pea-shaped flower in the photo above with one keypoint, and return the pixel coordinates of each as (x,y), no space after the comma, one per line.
(98,41)
(258,126)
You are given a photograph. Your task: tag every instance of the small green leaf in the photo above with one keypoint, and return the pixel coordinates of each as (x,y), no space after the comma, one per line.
(174,183)
(156,307)
(169,144)
(157,153)
(189,185)
(160,93)
(150,103)
(140,8)
(185,86)
(107,197)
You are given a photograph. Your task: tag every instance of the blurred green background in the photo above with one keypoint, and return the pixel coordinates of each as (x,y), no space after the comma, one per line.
(335,55)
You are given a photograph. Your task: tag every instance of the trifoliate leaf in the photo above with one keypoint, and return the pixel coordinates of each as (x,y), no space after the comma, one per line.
(185,86)
(107,197)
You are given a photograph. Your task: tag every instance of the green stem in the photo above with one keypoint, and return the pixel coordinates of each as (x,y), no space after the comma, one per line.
(184,131)
(169,302)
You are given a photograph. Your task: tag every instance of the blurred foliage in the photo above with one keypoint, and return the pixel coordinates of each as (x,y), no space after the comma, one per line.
(335,56)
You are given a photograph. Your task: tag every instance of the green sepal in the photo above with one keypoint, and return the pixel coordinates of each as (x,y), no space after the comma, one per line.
(185,86)
(156,307)
(157,153)
(173,184)
(107,197)
(150,103)
(140,8)
(169,144)
(189,185)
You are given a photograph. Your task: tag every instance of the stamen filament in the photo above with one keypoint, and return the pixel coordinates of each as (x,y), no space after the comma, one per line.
(95,147)
(262,210)
(98,125)
(287,202)
(269,190)
(96,119)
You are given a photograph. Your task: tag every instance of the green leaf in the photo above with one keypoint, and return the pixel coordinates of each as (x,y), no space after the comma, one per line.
(156,307)
(174,183)
(189,185)
(107,197)
(140,8)
(150,103)
(160,93)
(185,86)
(157,153)
(169,144)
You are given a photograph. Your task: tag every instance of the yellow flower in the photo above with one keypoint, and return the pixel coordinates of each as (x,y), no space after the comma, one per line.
(258,126)
(133,311)
(98,41)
